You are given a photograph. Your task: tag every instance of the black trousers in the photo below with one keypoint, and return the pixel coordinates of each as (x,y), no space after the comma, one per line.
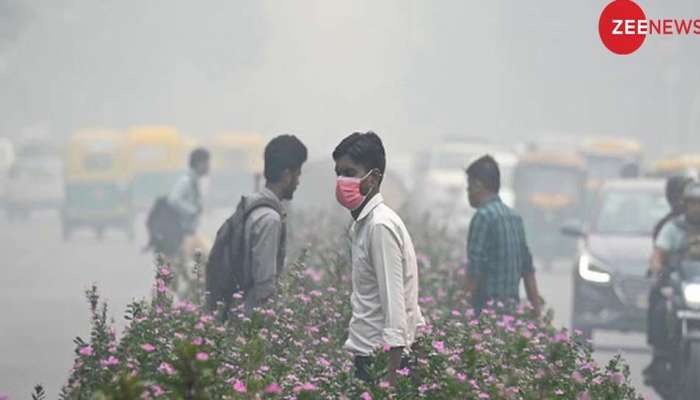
(657,335)
(363,367)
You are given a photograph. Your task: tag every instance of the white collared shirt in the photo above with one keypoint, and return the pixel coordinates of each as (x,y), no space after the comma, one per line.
(384,299)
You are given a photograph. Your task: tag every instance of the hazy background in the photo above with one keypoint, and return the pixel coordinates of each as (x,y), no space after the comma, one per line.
(411,70)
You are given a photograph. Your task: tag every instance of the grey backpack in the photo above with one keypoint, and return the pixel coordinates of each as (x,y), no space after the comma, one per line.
(226,271)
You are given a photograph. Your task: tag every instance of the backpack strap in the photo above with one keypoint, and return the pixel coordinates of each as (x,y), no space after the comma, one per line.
(251,206)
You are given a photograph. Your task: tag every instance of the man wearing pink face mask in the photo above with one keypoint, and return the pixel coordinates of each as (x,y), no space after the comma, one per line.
(384,269)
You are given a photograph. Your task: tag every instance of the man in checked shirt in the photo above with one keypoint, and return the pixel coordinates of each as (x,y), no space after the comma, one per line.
(497,251)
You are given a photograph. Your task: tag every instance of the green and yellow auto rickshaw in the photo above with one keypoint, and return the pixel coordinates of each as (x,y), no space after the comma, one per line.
(549,190)
(97,179)
(157,156)
(687,164)
(608,157)
(236,167)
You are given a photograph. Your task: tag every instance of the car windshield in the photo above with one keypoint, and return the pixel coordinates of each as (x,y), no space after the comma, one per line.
(604,167)
(547,180)
(630,212)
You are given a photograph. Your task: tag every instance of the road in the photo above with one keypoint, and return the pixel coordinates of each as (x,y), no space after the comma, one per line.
(43,305)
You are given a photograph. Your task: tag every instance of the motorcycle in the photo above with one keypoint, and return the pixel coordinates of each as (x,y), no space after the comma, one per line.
(681,377)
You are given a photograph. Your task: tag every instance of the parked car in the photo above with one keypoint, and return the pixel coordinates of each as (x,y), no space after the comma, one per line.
(609,273)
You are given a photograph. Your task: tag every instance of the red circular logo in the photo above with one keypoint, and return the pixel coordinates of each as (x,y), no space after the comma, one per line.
(618,26)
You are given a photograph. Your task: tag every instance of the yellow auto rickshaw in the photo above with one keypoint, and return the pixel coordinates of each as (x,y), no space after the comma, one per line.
(97,179)
(611,158)
(236,167)
(683,164)
(157,156)
(549,190)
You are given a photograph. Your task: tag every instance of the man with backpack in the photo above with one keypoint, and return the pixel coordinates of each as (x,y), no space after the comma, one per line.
(249,251)
(173,219)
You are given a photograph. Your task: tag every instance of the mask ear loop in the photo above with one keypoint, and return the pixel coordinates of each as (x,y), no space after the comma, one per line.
(370,173)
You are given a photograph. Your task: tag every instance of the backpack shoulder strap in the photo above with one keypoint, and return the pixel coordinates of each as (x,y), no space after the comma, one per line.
(251,206)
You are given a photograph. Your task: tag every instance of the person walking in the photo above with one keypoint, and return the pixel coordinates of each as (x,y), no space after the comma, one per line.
(498,255)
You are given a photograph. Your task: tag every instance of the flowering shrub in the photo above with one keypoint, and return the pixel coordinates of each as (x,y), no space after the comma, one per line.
(292,348)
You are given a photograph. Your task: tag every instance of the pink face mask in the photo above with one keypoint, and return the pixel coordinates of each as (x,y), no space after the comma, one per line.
(347,192)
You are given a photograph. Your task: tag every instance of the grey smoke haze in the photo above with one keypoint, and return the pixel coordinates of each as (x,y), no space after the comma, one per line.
(411,70)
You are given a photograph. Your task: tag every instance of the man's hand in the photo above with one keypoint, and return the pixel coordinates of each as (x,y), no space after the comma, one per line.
(533,294)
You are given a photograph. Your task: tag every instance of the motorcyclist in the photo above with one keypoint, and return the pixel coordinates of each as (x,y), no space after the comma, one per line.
(678,237)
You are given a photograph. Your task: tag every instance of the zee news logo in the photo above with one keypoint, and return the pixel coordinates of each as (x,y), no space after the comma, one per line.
(623,26)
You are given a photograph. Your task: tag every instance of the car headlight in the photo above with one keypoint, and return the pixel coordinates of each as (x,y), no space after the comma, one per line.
(691,294)
(592,271)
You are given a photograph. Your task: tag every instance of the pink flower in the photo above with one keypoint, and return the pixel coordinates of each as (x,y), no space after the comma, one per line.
(560,337)
(164,271)
(323,362)
(157,390)
(366,396)
(197,341)
(577,377)
(617,378)
(403,371)
(384,385)
(483,395)
(273,388)
(148,348)
(461,376)
(4,397)
(161,287)
(584,396)
(86,351)
(558,392)
(202,356)
(166,369)
(306,387)
(239,386)
(109,361)
(439,346)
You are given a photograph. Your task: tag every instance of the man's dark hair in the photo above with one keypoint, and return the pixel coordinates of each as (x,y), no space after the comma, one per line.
(198,155)
(485,170)
(365,149)
(282,153)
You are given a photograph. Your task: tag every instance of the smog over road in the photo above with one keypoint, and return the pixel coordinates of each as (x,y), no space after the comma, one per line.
(104,105)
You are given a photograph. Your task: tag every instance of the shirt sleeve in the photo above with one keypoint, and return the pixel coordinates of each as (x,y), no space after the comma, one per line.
(264,243)
(387,258)
(668,239)
(178,197)
(477,245)
(527,266)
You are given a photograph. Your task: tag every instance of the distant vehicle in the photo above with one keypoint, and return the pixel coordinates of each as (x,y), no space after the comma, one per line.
(606,157)
(35,180)
(97,184)
(440,189)
(609,273)
(687,164)
(157,155)
(236,167)
(549,187)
